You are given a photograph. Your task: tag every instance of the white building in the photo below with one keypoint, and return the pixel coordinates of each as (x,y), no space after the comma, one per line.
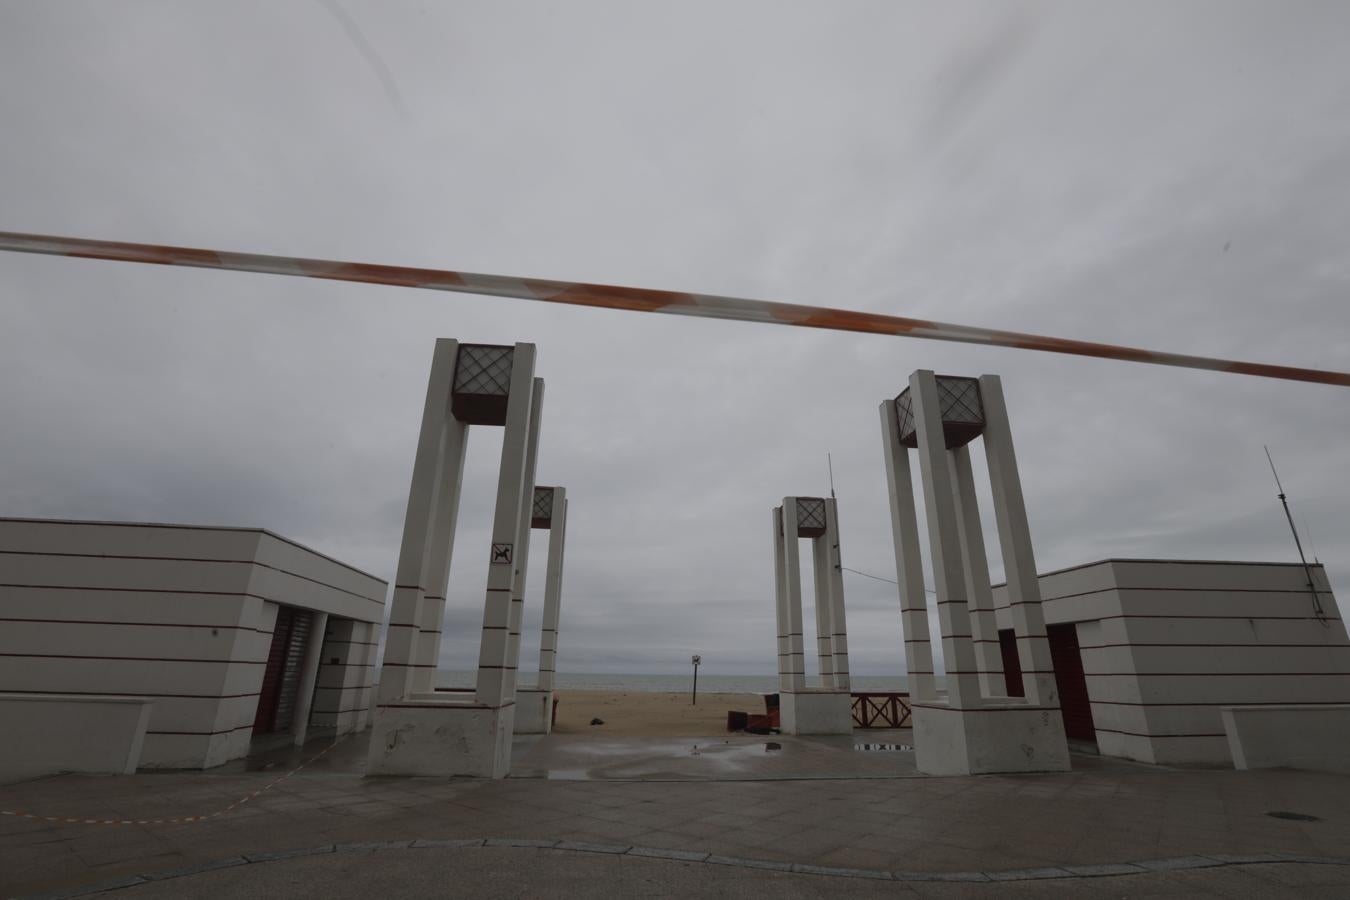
(171,646)
(1147,652)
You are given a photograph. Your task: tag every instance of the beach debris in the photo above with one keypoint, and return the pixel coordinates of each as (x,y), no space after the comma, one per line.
(597,721)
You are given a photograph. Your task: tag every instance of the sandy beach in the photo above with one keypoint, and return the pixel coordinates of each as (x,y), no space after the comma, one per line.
(644,713)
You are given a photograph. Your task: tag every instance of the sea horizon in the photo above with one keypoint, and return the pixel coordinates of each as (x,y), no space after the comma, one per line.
(674,682)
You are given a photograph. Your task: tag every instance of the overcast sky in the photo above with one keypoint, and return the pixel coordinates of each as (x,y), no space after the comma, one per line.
(1168,175)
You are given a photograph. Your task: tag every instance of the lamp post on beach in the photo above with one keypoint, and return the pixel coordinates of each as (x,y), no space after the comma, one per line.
(696,660)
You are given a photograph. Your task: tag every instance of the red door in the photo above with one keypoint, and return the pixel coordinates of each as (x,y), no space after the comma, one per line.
(1070,681)
(273,673)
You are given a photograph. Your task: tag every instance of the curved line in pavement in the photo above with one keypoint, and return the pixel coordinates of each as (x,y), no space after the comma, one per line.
(1140,867)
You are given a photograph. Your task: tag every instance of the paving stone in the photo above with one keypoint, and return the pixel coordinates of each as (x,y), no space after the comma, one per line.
(111,884)
(660,853)
(1028,874)
(939,876)
(287,854)
(518,842)
(373,845)
(840,872)
(193,870)
(1246,858)
(1318,860)
(1105,869)
(587,847)
(749,863)
(1177,862)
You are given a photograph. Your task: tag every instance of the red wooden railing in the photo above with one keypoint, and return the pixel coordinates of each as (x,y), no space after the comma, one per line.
(881,709)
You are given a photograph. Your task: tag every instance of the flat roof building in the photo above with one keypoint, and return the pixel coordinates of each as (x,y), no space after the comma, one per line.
(211,635)
(1148,652)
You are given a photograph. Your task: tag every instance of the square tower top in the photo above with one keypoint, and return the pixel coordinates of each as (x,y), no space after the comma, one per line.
(962,412)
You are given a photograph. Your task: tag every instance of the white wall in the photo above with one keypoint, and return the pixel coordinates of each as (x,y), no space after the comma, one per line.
(180,614)
(1165,643)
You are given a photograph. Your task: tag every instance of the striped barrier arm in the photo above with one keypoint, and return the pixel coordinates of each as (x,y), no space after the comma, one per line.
(638,299)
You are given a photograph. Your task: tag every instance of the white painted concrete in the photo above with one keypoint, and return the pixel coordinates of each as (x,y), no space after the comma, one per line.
(428,735)
(1166,643)
(534,711)
(822,711)
(1315,736)
(974,728)
(1007,737)
(826,708)
(179,614)
(418,731)
(534,705)
(548,639)
(46,734)
(908,566)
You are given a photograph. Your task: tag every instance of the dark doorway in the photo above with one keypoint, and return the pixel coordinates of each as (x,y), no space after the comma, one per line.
(1071,682)
(1012,666)
(281,675)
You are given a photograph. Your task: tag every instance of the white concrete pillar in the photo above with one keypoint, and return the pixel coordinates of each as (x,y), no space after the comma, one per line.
(523,558)
(820,569)
(839,634)
(442,542)
(792,582)
(548,639)
(780,602)
(908,563)
(402,641)
(983,625)
(309,674)
(944,541)
(1014,536)
(496,683)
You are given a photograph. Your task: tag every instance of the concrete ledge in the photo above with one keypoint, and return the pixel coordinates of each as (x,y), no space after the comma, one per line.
(1296,737)
(534,711)
(51,733)
(988,739)
(434,737)
(815,712)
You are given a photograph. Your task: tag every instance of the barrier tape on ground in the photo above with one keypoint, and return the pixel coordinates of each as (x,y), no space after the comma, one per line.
(637,300)
(168,820)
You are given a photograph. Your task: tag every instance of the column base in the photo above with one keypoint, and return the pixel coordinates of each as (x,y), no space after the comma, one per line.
(434,737)
(534,711)
(815,712)
(988,739)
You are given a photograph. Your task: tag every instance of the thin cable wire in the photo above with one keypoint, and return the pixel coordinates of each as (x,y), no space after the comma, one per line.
(879,578)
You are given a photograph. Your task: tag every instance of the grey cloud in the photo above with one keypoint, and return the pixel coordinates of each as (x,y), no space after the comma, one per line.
(1092,165)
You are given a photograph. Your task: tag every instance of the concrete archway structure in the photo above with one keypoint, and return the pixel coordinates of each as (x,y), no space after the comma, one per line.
(418,731)
(975,727)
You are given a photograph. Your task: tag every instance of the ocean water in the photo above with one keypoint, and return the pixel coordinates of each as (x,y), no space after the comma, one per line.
(707,684)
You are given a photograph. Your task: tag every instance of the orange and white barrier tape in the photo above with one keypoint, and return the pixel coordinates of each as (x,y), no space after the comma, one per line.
(638,299)
(168,820)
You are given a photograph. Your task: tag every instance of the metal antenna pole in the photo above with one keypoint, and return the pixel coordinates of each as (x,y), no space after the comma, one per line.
(1312,586)
(830,462)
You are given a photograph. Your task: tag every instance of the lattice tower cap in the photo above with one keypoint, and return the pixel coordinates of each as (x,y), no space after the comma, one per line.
(542,513)
(962,412)
(482,383)
(810,516)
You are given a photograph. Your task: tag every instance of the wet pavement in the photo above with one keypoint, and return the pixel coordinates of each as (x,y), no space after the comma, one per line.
(812,803)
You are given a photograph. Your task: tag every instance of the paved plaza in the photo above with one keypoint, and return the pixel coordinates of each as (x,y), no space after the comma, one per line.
(644,817)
